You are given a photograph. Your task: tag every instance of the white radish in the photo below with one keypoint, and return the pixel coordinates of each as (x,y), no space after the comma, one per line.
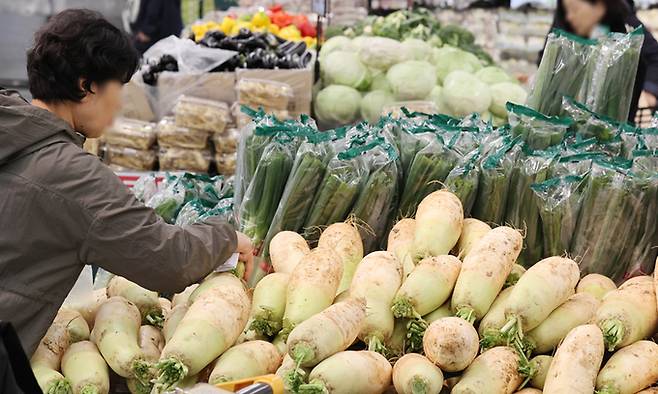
(427,287)
(472,231)
(514,276)
(151,342)
(451,343)
(287,249)
(362,372)
(312,286)
(345,241)
(496,371)
(398,343)
(211,325)
(576,362)
(540,365)
(646,279)
(214,281)
(400,242)
(165,305)
(439,222)
(289,365)
(415,374)
(249,359)
(494,320)
(116,334)
(484,272)
(183,297)
(342,296)
(329,332)
(279,342)
(88,308)
(529,390)
(85,368)
(268,304)
(596,284)
(630,369)
(438,313)
(173,319)
(575,311)
(650,390)
(377,279)
(51,381)
(145,300)
(627,315)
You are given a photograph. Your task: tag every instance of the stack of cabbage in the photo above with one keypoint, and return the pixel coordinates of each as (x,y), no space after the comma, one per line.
(365,75)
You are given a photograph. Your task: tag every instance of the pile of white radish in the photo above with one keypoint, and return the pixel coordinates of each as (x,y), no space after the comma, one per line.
(444,309)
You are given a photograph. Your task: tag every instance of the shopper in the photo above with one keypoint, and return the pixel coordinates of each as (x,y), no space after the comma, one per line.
(587,18)
(60,207)
(156,19)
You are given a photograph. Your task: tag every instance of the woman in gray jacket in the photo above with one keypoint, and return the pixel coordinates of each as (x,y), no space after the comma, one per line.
(60,207)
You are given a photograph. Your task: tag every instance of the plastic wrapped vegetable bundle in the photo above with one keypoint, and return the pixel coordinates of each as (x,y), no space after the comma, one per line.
(413,139)
(589,124)
(522,206)
(560,72)
(463,180)
(603,223)
(559,201)
(537,130)
(610,74)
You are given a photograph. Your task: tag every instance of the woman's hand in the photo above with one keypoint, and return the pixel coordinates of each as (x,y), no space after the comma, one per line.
(246,251)
(647,99)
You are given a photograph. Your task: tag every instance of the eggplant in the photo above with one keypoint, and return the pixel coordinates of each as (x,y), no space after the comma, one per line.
(244,33)
(150,78)
(228,43)
(212,39)
(252,43)
(283,49)
(255,59)
(271,40)
(298,49)
(269,60)
(306,59)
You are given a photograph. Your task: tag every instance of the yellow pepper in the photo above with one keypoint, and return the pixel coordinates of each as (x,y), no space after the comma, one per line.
(260,19)
(290,33)
(272,28)
(311,42)
(227,24)
(240,25)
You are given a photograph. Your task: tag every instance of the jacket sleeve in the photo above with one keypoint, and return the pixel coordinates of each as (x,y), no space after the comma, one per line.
(152,17)
(129,239)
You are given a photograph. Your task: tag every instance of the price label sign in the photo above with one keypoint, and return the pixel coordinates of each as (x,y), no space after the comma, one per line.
(320,7)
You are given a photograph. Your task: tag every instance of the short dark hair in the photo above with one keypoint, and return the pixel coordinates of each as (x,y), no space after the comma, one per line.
(77,44)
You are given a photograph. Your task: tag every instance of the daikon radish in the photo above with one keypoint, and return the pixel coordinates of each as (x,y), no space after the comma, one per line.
(596,284)
(627,315)
(439,222)
(415,374)
(329,332)
(400,243)
(312,286)
(183,297)
(287,249)
(287,366)
(362,372)
(171,322)
(494,320)
(472,231)
(630,369)
(576,310)
(268,304)
(279,342)
(451,343)
(151,342)
(214,281)
(88,309)
(484,272)
(211,325)
(438,313)
(86,369)
(576,362)
(543,288)
(342,296)
(377,278)
(427,287)
(51,381)
(450,383)
(529,390)
(650,390)
(145,300)
(397,344)
(517,271)
(540,365)
(646,279)
(249,359)
(165,305)
(493,372)
(345,241)
(116,334)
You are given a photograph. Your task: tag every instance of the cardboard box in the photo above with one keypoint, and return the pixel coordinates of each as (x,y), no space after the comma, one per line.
(300,80)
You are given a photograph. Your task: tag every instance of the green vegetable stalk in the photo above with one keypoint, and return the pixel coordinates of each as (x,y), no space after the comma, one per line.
(537,130)
(463,181)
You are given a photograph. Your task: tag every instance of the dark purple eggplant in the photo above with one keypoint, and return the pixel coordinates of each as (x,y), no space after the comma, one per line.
(244,33)
(229,43)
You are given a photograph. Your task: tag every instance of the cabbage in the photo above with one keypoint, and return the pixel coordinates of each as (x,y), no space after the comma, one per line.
(338,43)
(379,81)
(411,80)
(417,49)
(337,104)
(380,52)
(504,92)
(448,59)
(437,97)
(373,103)
(345,68)
(492,74)
(464,93)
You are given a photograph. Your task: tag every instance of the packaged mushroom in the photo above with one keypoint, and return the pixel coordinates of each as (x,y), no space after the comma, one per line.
(227,142)
(172,136)
(226,163)
(180,159)
(130,158)
(131,133)
(263,93)
(201,114)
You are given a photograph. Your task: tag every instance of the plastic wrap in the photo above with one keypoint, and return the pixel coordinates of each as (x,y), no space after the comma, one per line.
(270,95)
(142,160)
(537,130)
(179,159)
(588,124)
(168,200)
(145,187)
(172,136)
(561,71)
(223,210)
(242,119)
(395,109)
(191,212)
(201,114)
(226,142)
(463,180)
(131,133)
(610,74)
